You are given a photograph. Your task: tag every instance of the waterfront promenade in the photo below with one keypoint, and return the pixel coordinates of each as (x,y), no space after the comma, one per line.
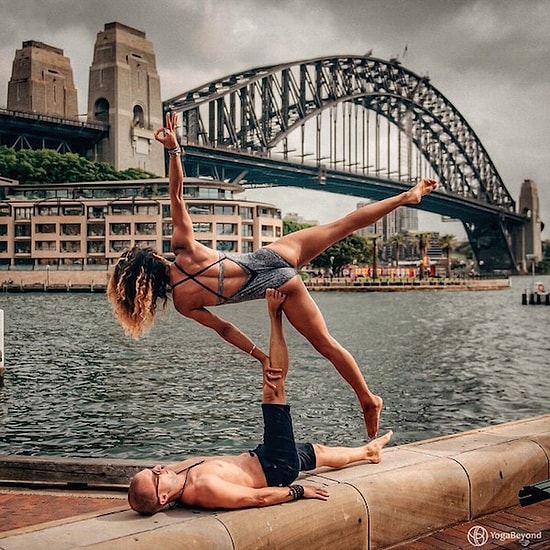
(96,281)
(424,495)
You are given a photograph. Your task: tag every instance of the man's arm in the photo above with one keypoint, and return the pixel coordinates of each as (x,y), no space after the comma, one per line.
(213,492)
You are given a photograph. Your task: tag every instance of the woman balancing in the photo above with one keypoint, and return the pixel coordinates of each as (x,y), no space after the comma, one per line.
(201,277)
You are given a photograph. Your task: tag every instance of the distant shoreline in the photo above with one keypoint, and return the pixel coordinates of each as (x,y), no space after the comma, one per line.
(96,281)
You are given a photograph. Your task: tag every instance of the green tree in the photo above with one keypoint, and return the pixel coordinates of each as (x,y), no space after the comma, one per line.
(447,243)
(48,166)
(347,251)
(396,242)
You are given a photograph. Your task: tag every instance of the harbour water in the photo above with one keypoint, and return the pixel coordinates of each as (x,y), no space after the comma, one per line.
(444,362)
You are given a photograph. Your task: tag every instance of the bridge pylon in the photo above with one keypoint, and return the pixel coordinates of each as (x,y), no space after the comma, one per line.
(528,244)
(124,91)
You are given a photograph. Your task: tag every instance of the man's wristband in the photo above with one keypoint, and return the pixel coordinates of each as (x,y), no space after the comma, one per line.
(176,151)
(296,491)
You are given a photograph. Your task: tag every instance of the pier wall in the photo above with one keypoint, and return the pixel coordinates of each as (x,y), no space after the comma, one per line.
(418,489)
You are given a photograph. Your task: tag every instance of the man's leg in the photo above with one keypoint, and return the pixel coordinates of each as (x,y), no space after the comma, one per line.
(338,457)
(278,350)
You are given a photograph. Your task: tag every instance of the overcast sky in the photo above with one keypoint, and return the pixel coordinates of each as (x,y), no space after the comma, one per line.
(490,58)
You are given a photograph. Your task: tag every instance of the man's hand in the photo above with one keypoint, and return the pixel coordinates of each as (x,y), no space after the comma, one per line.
(271,375)
(315,492)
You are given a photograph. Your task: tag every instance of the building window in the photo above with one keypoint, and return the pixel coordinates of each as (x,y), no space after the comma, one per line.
(23,230)
(72,229)
(48,210)
(3,247)
(226,229)
(74,210)
(96,230)
(205,242)
(3,229)
(166,246)
(247,247)
(23,213)
(202,227)
(120,229)
(146,228)
(4,210)
(118,246)
(247,230)
(96,247)
(146,244)
(97,212)
(45,246)
(167,228)
(147,209)
(224,210)
(166,211)
(23,248)
(226,246)
(122,209)
(139,117)
(247,213)
(45,228)
(199,209)
(70,246)
(267,231)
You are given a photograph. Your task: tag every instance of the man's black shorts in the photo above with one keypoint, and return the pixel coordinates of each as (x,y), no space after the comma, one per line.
(281,458)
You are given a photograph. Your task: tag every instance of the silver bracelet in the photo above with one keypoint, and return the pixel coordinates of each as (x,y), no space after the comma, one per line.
(252,350)
(176,151)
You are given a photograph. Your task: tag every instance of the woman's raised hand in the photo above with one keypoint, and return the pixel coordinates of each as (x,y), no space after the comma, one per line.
(167,136)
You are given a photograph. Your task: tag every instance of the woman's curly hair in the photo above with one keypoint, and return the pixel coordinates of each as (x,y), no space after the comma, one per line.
(138,281)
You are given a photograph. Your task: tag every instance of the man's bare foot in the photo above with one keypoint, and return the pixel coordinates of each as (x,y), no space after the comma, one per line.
(422,188)
(275,301)
(373,450)
(371,414)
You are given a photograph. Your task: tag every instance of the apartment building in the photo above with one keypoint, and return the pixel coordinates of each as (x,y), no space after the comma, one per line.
(88,225)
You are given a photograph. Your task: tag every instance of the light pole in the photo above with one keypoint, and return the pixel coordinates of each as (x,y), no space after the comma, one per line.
(47,275)
(532,258)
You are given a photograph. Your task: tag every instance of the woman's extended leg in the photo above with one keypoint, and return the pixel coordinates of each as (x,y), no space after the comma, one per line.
(305,316)
(300,247)
(338,457)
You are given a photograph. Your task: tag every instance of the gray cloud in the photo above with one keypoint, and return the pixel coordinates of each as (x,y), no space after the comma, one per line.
(488,57)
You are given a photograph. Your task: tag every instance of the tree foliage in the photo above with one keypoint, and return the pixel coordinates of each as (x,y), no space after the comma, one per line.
(48,166)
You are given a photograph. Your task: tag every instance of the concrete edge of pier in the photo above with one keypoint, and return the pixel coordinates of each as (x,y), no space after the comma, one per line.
(418,489)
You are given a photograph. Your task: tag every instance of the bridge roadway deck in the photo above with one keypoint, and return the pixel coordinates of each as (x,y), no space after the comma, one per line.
(423,495)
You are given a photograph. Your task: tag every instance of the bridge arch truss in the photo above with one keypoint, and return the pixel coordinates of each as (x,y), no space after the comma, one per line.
(365,117)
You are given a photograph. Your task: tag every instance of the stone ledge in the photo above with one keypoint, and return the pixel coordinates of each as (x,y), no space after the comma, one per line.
(419,488)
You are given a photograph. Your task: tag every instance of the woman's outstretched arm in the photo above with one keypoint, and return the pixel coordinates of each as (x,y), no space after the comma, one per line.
(229,332)
(182,232)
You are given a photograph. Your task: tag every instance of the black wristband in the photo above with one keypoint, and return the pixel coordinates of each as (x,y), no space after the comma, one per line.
(297,492)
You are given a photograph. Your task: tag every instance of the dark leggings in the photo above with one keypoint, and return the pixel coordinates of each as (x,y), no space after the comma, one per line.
(281,458)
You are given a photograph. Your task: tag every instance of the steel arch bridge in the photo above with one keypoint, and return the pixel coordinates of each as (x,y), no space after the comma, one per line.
(353,125)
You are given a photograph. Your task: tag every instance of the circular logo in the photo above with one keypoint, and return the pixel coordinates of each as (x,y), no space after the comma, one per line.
(478,535)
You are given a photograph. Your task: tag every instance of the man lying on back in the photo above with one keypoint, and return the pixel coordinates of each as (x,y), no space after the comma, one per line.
(261,477)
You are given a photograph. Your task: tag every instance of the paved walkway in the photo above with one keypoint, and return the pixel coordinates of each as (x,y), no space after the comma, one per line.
(514,528)
(21,508)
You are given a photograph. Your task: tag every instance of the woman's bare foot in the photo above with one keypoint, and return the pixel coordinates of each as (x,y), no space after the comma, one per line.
(371,414)
(373,450)
(422,188)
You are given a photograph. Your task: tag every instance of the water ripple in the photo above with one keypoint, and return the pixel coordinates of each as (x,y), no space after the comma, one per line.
(444,362)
